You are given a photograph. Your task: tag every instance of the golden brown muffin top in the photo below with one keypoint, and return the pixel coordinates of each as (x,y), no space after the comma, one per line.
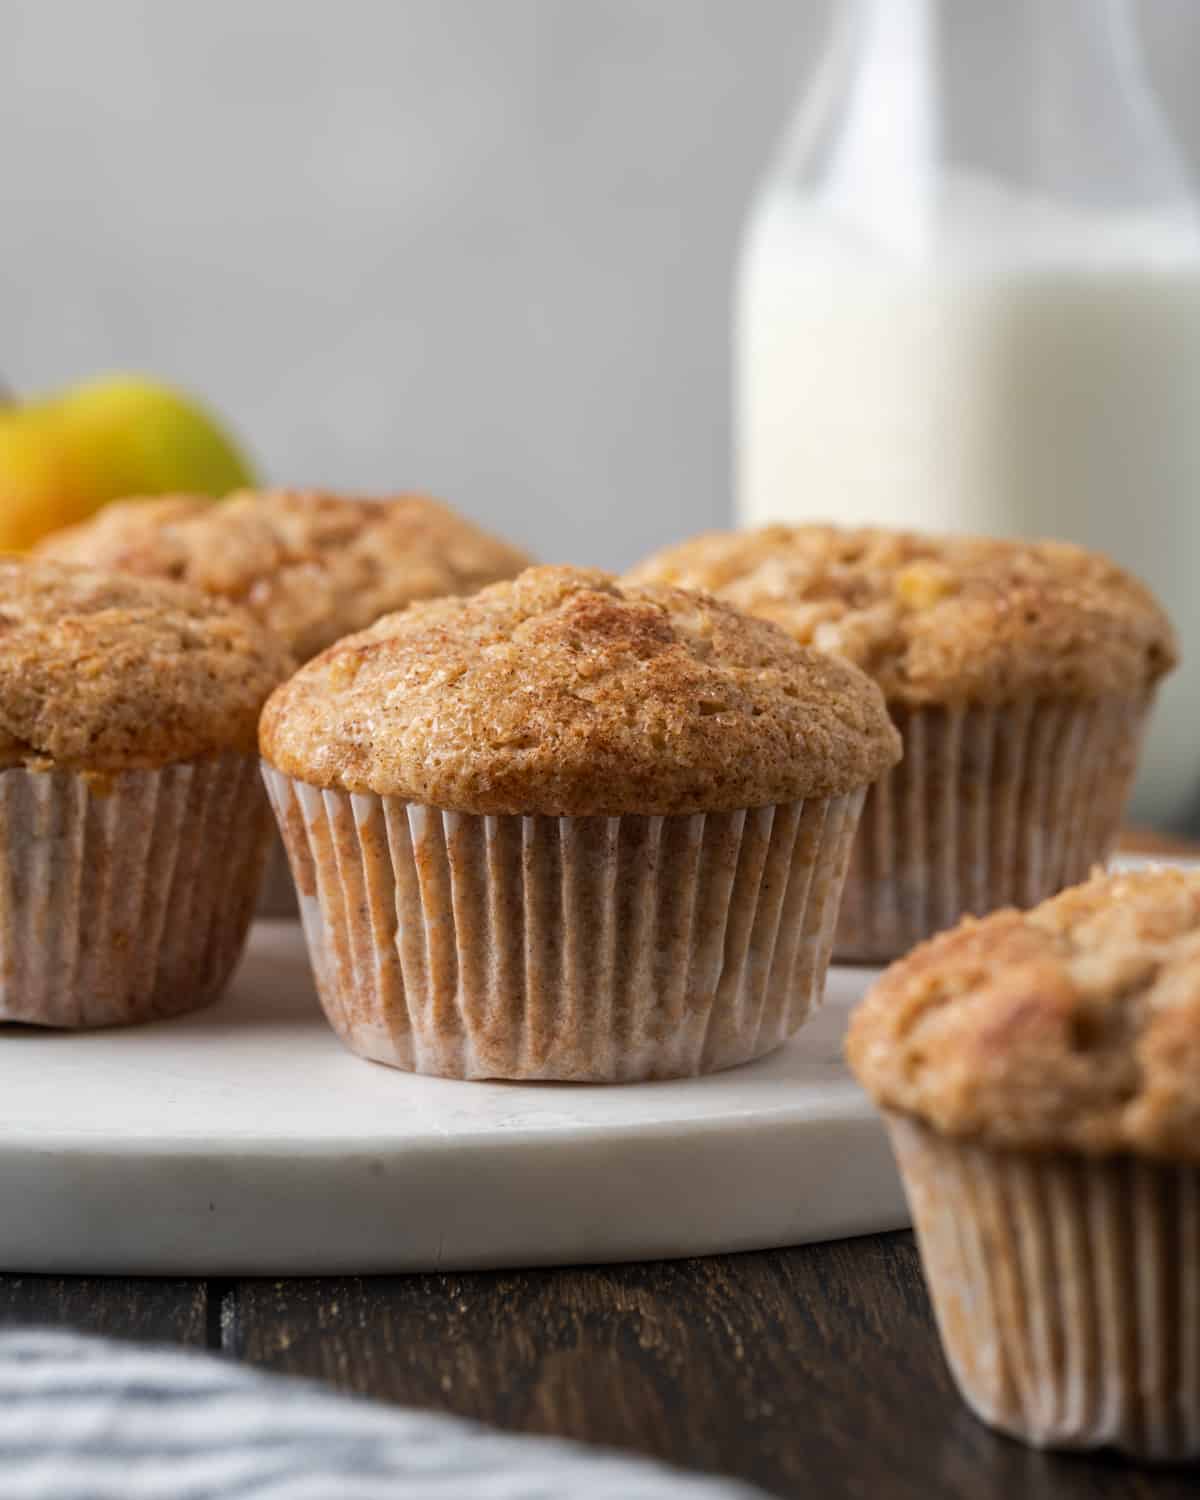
(105,673)
(1075,1025)
(312,566)
(940,619)
(562,692)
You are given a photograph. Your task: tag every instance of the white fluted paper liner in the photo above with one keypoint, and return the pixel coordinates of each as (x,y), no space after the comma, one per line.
(126,897)
(1067,1290)
(587,949)
(990,807)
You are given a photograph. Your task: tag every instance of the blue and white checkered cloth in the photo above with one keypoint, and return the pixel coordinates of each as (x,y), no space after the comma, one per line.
(86,1419)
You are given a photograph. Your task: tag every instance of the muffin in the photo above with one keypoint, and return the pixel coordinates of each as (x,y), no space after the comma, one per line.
(133,824)
(1020,675)
(311,566)
(1040,1075)
(570,830)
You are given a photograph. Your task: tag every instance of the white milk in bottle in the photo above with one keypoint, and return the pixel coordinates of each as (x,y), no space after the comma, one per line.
(969,300)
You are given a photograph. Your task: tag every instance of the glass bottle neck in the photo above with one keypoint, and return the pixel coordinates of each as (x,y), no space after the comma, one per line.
(1046,98)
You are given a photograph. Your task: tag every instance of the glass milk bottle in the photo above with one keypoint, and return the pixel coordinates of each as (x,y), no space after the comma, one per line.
(969,299)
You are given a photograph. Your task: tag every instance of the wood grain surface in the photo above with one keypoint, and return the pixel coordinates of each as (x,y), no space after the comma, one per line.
(146,1309)
(1150,841)
(812,1372)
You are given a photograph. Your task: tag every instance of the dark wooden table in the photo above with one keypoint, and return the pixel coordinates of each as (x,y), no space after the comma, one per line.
(811,1372)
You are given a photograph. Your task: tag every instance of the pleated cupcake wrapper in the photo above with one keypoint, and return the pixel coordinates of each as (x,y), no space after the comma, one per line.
(126,897)
(990,807)
(1067,1290)
(601,949)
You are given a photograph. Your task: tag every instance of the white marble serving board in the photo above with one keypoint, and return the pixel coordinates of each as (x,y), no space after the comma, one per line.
(245,1140)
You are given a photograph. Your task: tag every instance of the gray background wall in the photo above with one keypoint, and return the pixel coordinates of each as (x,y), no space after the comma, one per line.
(478,246)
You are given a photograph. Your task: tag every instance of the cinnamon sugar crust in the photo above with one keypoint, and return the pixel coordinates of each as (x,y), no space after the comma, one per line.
(104,673)
(310,565)
(940,620)
(565,693)
(1073,1026)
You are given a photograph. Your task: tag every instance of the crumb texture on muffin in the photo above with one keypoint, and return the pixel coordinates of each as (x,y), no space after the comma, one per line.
(1075,1025)
(940,619)
(565,693)
(312,566)
(107,673)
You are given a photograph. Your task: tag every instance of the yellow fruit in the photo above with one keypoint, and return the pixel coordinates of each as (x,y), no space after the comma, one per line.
(62,457)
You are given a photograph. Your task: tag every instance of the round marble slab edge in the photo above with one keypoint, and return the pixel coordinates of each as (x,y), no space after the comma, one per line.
(244,1140)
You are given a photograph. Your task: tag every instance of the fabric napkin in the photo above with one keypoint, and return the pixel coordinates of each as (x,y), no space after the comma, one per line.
(87,1419)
